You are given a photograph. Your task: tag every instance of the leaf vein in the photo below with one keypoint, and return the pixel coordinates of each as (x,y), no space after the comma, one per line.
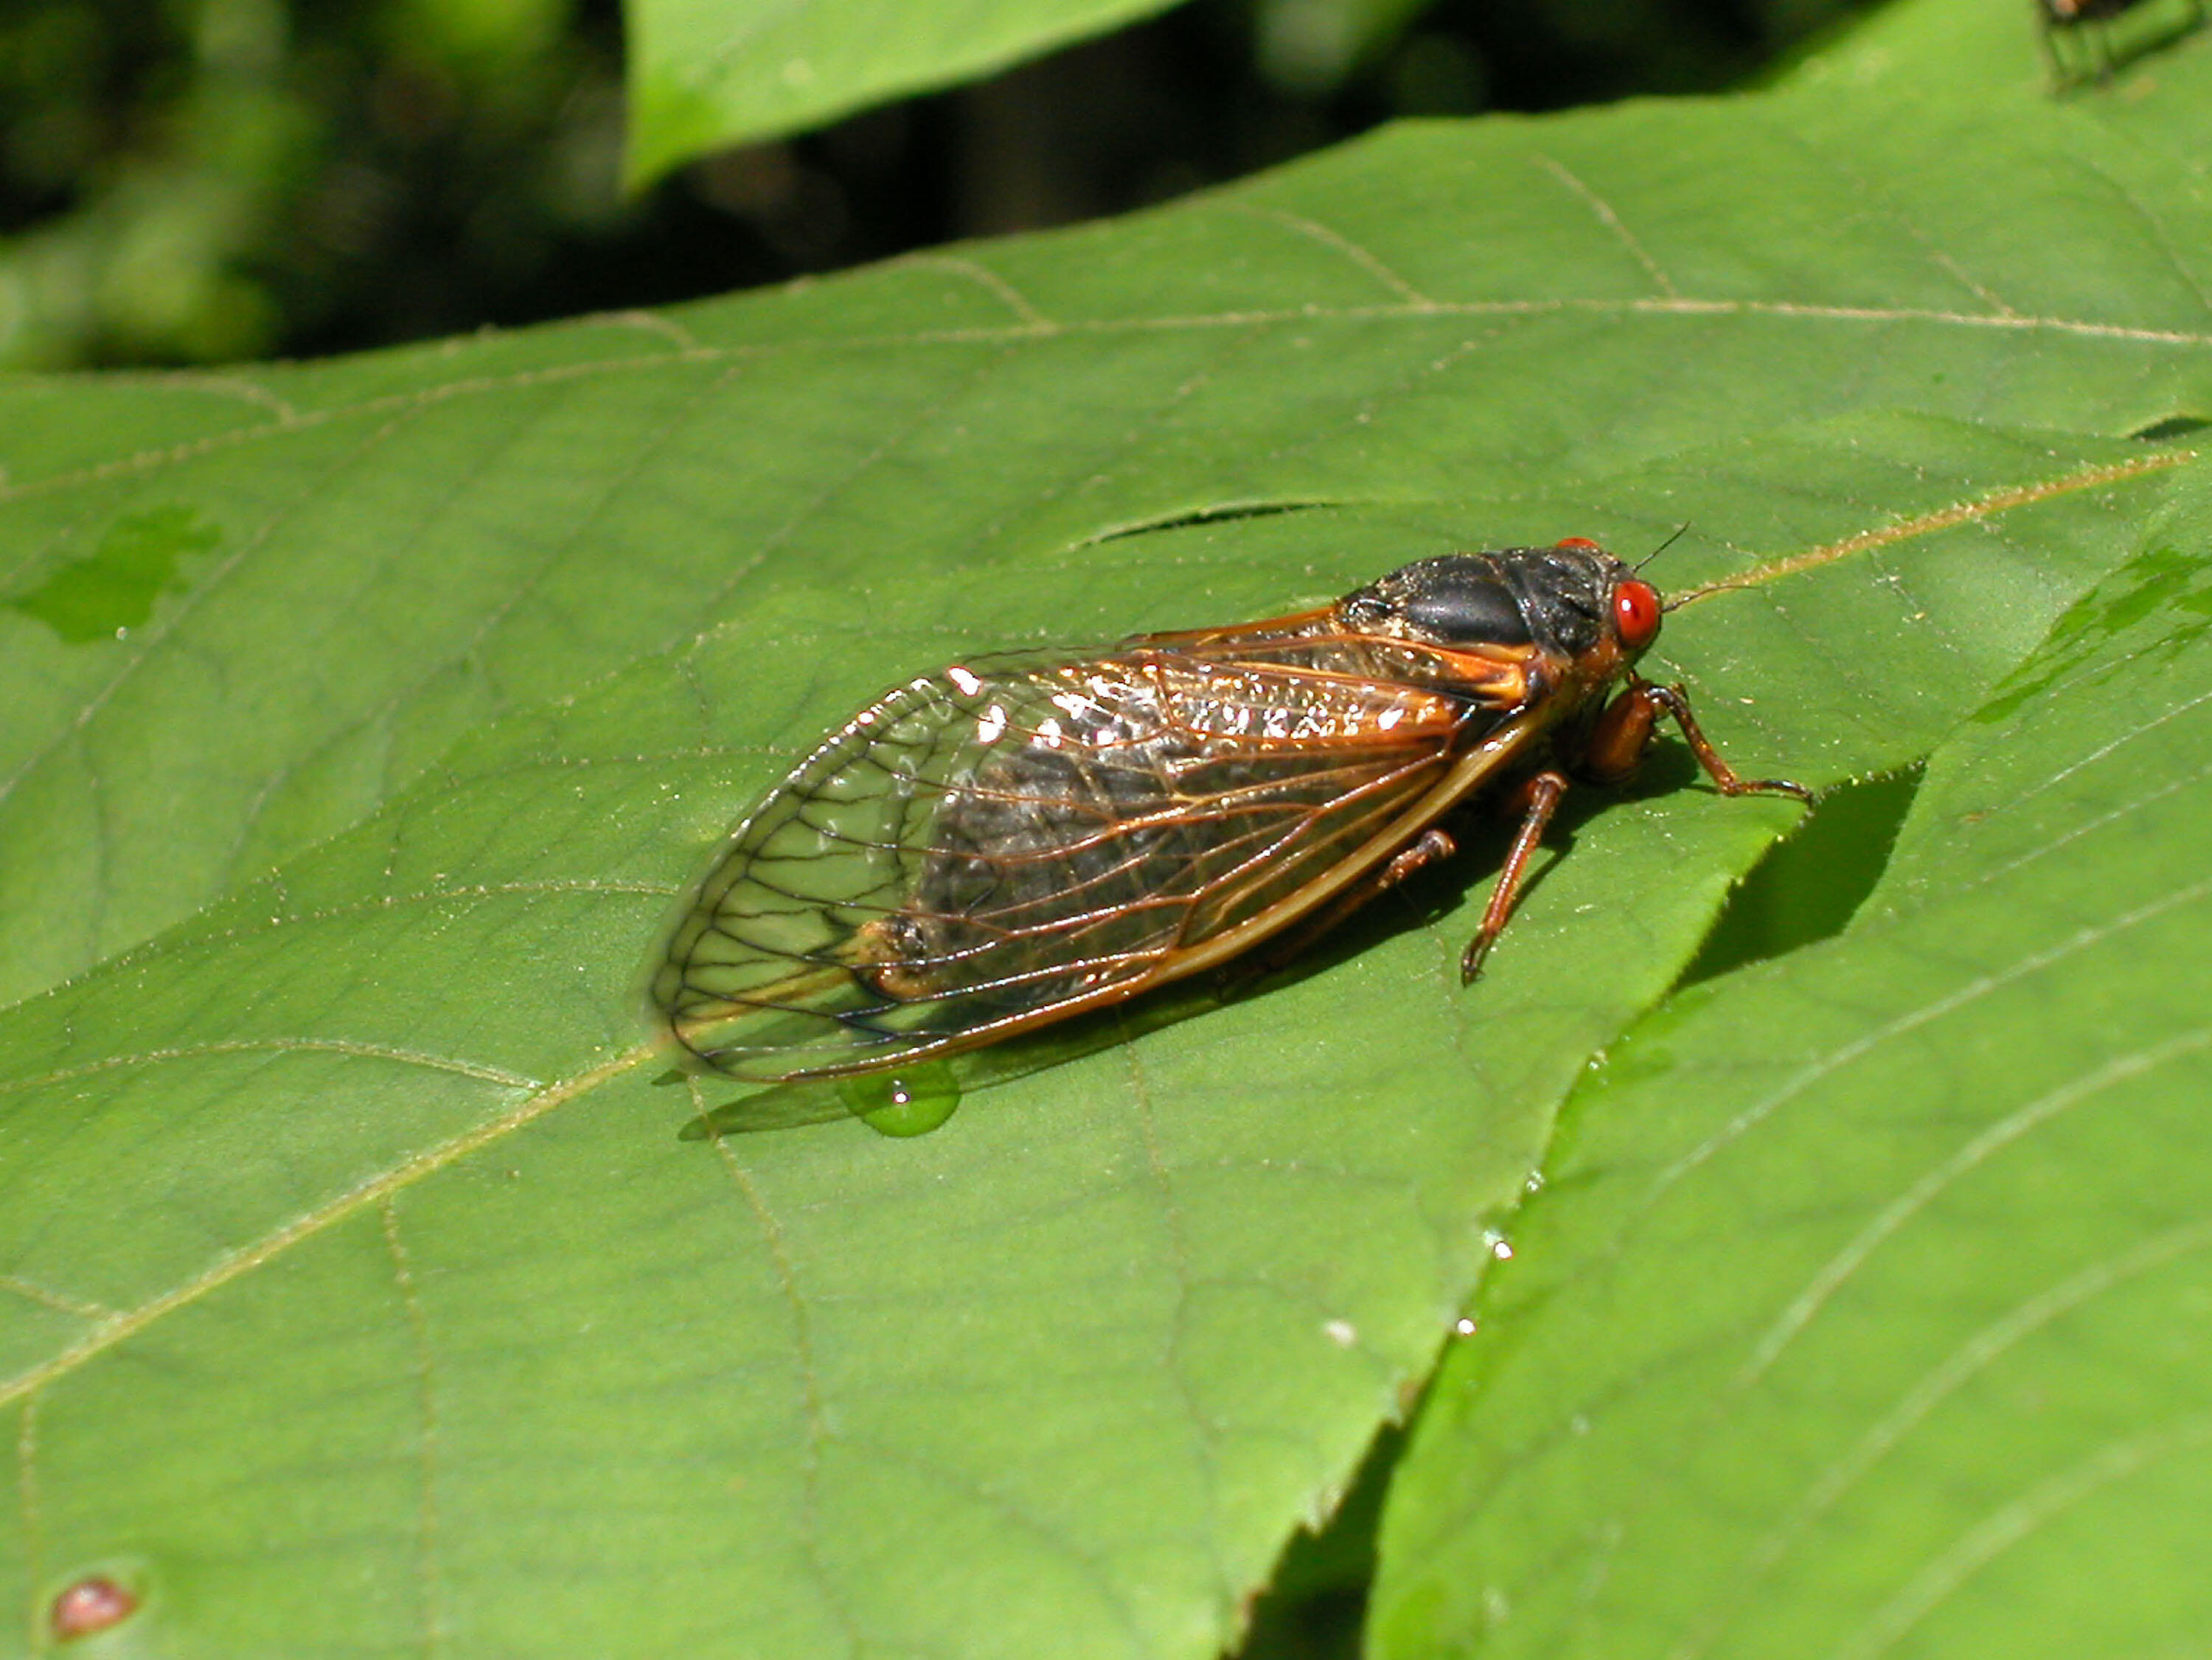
(1911,1020)
(1360,255)
(151,460)
(427,1518)
(311,1223)
(1986,506)
(273,1045)
(2008,1525)
(1971,1357)
(1892,1218)
(1611,221)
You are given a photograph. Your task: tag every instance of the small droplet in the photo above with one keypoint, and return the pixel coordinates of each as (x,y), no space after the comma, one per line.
(92,1604)
(1464,1325)
(911,1103)
(1342,1333)
(1502,1250)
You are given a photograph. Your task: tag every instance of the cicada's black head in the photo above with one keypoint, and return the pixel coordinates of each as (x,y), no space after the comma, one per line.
(1563,599)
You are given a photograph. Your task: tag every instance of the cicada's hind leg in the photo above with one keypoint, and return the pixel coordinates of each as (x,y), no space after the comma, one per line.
(1430,847)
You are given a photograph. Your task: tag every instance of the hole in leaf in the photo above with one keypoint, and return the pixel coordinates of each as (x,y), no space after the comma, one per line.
(2174,426)
(1810,887)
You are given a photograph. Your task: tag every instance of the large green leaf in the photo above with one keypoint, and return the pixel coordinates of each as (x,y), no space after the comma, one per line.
(365,1287)
(360,1294)
(707,74)
(1858,1314)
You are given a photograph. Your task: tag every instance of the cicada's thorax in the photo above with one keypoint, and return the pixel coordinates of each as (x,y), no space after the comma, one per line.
(1530,636)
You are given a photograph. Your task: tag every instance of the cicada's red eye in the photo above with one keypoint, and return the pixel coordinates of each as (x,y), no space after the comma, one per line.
(1582,543)
(1635,613)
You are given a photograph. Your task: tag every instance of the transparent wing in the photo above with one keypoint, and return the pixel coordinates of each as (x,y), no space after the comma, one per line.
(1019,838)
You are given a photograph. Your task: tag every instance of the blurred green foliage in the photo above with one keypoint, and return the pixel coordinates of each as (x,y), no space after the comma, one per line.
(219,179)
(208,181)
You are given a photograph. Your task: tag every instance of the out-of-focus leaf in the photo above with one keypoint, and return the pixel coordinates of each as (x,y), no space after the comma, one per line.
(707,74)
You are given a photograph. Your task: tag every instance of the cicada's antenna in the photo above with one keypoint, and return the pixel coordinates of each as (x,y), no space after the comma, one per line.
(1676,600)
(1680,533)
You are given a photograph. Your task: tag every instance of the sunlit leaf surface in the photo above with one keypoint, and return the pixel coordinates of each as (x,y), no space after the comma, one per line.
(358,1289)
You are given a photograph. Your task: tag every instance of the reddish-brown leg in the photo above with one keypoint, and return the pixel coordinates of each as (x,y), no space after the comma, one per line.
(1539,800)
(1623,733)
(1430,846)
(1423,850)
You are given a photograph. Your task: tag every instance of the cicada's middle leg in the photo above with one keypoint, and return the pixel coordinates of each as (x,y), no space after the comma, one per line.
(1538,799)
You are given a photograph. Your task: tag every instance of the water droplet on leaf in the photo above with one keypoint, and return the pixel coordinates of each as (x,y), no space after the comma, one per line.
(912,1101)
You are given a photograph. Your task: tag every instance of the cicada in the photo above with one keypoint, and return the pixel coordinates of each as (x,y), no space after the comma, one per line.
(1019,838)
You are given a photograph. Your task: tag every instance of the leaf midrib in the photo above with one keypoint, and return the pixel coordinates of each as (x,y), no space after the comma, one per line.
(310,1223)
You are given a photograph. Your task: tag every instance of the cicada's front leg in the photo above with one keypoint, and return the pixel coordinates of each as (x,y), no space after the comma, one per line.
(1622,733)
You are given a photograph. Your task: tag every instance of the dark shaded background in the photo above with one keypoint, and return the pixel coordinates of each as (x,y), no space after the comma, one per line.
(205,180)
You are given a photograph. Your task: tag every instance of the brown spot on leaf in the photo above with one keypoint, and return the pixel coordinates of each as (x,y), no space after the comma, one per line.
(92,1604)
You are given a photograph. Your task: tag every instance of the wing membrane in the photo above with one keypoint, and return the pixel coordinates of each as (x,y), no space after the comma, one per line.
(1013,840)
